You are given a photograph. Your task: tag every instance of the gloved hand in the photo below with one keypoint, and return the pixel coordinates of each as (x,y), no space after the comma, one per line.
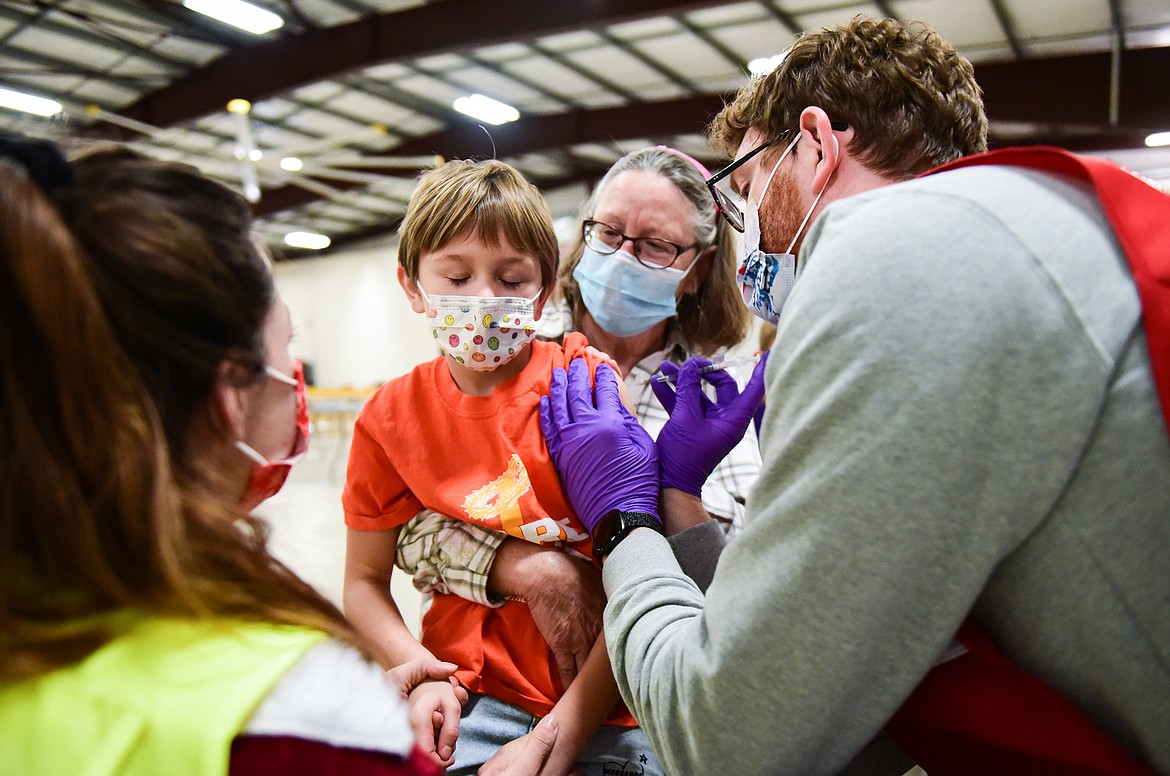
(700,433)
(606,460)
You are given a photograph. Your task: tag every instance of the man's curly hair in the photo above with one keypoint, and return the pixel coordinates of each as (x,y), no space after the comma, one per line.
(909,96)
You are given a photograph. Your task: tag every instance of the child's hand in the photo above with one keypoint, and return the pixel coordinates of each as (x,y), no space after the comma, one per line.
(434,717)
(412,673)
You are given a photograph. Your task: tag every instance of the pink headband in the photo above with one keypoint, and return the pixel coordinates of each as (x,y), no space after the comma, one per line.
(698,165)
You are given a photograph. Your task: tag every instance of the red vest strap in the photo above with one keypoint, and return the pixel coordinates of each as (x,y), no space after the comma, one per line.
(1140,216)
(980,713)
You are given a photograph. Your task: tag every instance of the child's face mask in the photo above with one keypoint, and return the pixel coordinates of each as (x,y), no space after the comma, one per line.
(481,333)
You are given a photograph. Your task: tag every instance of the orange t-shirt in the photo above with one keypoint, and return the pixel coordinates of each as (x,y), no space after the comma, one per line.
(421,442)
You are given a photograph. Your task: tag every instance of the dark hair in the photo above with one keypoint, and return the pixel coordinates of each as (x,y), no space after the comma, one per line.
(909,96)
(121,298)
(181,277)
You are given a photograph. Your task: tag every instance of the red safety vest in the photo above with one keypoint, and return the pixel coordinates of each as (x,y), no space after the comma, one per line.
(979,713)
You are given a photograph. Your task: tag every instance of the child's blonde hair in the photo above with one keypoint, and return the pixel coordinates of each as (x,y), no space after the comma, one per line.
(489,197)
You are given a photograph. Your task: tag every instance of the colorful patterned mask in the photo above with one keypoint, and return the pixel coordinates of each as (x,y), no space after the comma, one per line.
(481,333)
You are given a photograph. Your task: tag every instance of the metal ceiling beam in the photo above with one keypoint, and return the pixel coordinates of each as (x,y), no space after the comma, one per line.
(1069,91)
(278,66)
(784,17)
(390,226)
(887,10)
(663,70)
(1074,90)
(86,35)
(535,134)
(589,176)
(528,83)
(589,75)
(1008,25)
(731,56)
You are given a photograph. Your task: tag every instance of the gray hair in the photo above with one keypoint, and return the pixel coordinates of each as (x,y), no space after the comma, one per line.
(680,170)
(715,316)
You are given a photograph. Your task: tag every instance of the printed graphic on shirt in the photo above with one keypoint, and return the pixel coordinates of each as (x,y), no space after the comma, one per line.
(626,768)
(500,500)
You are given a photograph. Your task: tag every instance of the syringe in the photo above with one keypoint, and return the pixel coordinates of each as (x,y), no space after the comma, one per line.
(718,365)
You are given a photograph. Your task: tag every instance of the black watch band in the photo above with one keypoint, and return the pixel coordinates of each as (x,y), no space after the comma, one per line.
(616,525)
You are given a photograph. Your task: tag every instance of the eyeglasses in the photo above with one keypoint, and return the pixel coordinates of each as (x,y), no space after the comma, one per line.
(728,207)
(651,252)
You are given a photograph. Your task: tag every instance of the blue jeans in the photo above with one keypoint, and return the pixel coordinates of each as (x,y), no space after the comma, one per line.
(488,723)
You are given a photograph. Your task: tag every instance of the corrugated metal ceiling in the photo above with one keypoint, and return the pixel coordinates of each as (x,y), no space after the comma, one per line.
(361,91)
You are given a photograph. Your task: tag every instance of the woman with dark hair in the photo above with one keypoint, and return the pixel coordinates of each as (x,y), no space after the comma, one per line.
(649,280)
(148,400)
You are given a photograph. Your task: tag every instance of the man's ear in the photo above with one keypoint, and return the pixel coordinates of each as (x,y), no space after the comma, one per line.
(413,295)
(815,123)
(227,400)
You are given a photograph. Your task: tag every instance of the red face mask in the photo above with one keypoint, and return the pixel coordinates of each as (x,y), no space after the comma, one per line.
(267,477)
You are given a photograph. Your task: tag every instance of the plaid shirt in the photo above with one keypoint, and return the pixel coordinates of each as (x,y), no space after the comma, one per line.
(450,556)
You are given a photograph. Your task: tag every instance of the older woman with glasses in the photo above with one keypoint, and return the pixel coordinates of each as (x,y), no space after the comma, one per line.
(651,279)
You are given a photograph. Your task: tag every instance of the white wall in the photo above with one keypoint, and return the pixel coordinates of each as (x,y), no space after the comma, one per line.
(353,324)
(351,318)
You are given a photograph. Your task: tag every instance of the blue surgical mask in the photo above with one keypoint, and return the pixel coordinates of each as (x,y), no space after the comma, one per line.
(766,279)
(624,297)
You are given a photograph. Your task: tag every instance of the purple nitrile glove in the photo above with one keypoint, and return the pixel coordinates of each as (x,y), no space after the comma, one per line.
(701,432)
(606,460)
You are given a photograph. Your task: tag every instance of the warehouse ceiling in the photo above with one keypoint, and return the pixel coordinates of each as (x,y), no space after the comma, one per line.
(337,110)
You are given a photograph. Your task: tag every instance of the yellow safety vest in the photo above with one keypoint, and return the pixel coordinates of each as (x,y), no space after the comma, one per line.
(166,697)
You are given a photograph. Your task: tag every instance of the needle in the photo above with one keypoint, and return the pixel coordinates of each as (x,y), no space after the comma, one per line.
(715,366)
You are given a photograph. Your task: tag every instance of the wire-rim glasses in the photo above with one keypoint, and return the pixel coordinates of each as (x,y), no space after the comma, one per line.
(728,207)
(650,252)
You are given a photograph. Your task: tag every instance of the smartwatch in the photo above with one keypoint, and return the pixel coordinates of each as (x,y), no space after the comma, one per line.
(614,526)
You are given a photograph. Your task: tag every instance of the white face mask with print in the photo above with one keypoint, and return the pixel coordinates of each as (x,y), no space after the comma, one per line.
(766,279)
(481,333)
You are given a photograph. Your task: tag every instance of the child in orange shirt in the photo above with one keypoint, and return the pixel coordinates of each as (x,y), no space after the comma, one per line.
(461,435)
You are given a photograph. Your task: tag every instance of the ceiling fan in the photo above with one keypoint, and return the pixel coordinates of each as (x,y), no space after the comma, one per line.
(308,165)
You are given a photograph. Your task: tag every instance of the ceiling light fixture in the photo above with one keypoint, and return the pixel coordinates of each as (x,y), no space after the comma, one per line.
(1158,139)
(28,103)
(291,163)
(307,240)
(486,109)
(237,13)
(765,65)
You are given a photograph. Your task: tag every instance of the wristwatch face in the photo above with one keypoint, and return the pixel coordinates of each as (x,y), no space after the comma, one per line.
(621,523)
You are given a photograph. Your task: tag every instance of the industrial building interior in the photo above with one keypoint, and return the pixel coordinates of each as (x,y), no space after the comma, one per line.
(324,112)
